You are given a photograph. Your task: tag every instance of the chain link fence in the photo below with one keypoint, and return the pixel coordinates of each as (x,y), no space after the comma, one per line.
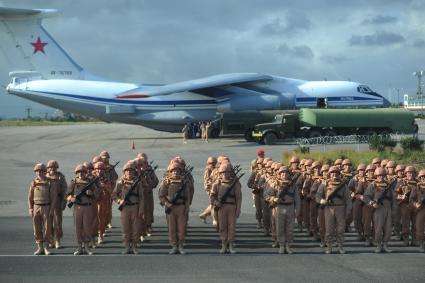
(351,139)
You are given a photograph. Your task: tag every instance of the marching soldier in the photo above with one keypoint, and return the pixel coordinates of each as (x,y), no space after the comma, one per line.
(83,210)
(336,208)
(312,196)
(150,184)
(285,199)
(367,211)
(104,197)
(396,214)
(59,186)
(417,199)
(357,197)
(305,194)
(338,163)
(211,163)
(175,195)
(226,195)
(41,200)
(407,211)
(376,162)
(380,197)
(95,221)
(113,177)
(324,171)
(129,195)
(262,185)
(253,184)
(260,155)
(347,175)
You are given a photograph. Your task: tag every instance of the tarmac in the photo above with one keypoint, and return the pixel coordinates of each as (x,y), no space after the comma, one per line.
(22,147)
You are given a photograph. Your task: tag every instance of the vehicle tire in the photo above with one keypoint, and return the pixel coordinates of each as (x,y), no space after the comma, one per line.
(270,138)
(315,134)
(248,135)
(215,133)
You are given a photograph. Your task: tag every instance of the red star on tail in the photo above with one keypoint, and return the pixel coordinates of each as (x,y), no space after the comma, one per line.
(38,46)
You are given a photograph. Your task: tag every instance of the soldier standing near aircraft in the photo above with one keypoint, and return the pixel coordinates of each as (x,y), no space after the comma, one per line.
(59,186)
(41,198)
(128,194)
(337,201)
(208,129)
(417,200)
(380,197)
(174,194)
(185,132)
(284,197)
(82,195)
(226,195)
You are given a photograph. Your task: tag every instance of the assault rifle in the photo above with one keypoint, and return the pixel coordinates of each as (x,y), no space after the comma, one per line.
(87,187)
(332,195)
(282,193)
(384,194)
(177,195)
(130,191)
(227,193)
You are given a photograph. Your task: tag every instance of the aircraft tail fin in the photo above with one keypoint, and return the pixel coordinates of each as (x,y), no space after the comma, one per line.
(28,46)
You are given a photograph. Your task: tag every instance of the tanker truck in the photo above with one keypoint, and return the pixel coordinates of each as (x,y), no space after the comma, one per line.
(308,122)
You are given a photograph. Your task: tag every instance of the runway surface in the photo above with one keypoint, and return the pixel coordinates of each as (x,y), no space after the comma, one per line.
(21,147)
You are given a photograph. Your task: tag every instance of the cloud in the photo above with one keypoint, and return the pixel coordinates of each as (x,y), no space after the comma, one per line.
(381,38)
(379,20)
(333,59)
(300,52)
(419,43)
(291,24)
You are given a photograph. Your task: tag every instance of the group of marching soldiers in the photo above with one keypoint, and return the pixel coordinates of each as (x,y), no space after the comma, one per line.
(91,192)
(96,184)
(381,198)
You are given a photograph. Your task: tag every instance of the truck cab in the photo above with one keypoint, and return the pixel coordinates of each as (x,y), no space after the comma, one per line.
(283,126)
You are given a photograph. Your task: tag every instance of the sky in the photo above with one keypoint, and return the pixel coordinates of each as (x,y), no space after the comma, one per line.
(376,42)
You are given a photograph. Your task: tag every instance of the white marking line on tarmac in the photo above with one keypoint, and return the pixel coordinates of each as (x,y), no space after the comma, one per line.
(71,255)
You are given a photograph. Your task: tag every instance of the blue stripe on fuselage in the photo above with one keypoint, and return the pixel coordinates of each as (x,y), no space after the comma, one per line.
(121,101)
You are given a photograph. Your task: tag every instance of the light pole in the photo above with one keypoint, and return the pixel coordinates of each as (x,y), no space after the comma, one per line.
(420,93)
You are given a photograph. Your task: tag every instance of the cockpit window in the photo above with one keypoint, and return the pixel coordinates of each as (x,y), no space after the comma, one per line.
(364,89)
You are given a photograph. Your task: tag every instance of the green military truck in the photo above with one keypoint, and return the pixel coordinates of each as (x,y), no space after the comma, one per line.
(309,122)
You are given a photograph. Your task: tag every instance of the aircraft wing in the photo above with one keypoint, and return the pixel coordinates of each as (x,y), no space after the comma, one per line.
(197,85)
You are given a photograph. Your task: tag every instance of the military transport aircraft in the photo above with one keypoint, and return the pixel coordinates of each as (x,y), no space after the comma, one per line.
(43,72)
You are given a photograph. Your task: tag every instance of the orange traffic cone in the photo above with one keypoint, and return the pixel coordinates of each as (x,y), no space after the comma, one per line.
(133,147)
